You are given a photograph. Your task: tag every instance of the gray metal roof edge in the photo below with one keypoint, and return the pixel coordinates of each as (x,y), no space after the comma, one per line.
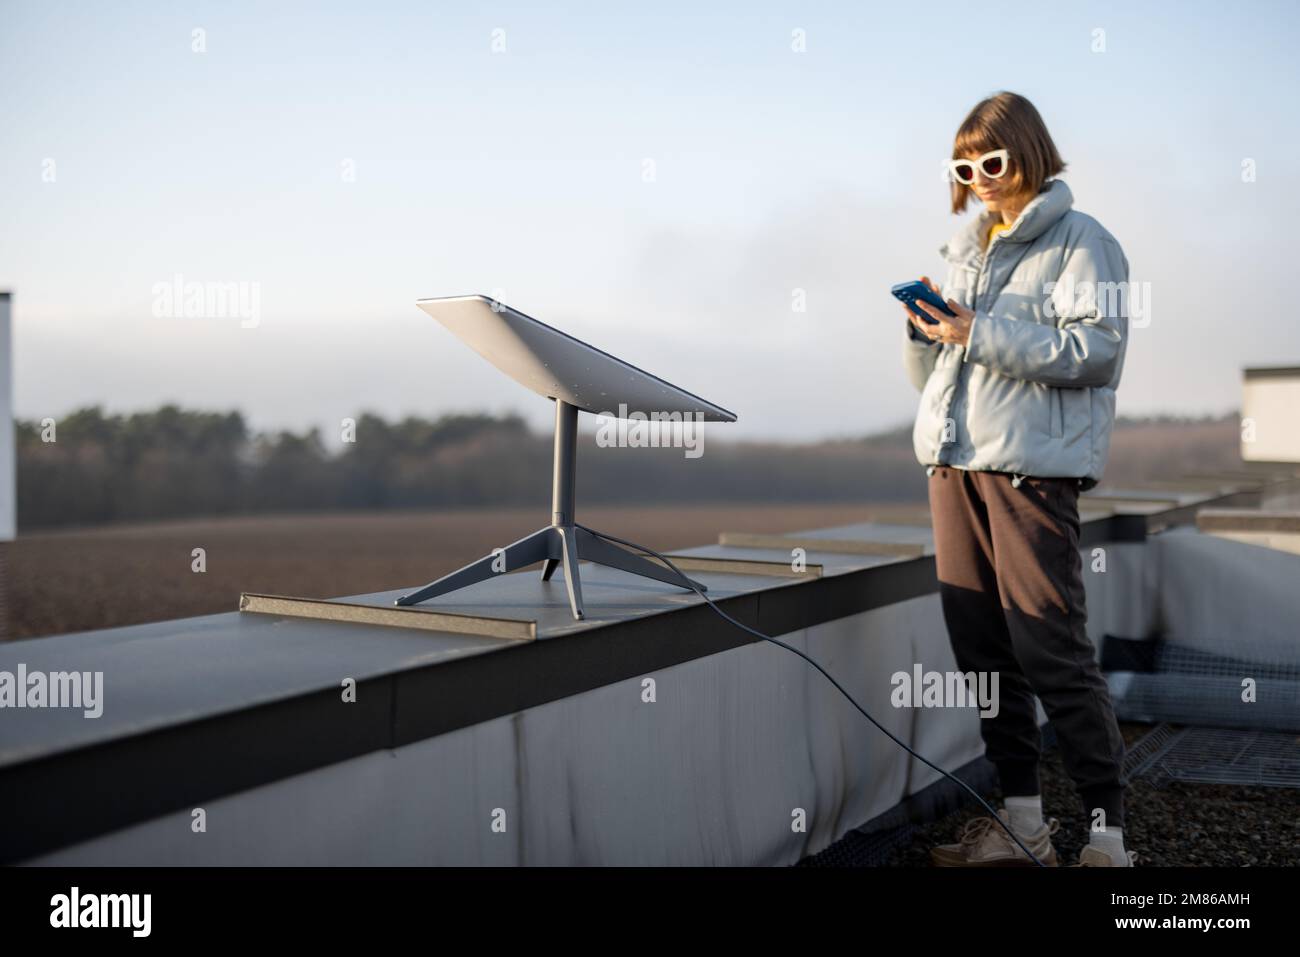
(1270,372)
(179,766)
(172,768)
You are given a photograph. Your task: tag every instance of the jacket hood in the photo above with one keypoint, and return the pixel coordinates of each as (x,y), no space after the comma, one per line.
(1036,218)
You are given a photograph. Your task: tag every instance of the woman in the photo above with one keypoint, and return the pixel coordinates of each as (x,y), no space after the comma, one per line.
(1017,403)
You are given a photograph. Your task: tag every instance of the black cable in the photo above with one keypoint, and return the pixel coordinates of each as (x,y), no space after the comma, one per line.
(758,634)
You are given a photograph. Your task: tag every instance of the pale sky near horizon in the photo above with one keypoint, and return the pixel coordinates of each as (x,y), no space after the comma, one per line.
(349,159)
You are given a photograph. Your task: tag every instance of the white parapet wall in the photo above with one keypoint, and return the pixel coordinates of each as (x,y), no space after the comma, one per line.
(746,757)
(8,497)
(1270,402)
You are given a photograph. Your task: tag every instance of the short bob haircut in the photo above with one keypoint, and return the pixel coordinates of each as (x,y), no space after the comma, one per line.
(1007,121)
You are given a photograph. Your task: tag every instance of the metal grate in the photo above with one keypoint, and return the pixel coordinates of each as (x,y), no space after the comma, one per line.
(1219,756)
(1189,687)
(1253,659)
(858,849)
(1142,755)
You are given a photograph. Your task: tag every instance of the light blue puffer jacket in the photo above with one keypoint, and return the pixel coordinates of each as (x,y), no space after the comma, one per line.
(1033,393)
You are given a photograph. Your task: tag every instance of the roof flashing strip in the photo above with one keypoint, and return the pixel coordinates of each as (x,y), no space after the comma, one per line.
(330,610)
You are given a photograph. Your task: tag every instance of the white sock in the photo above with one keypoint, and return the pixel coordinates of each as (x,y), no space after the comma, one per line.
(1026,812)
(1111,841)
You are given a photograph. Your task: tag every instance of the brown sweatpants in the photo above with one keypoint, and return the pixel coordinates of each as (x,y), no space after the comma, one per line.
(1011,585)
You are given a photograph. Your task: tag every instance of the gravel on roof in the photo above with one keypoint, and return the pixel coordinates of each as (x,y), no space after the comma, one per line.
(1170,824)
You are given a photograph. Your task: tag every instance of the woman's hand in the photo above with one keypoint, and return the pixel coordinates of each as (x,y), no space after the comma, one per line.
(951,329)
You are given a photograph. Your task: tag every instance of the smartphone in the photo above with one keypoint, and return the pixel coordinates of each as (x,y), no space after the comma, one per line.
(909,292)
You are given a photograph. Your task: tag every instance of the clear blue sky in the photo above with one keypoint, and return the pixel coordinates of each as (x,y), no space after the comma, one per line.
(521,172)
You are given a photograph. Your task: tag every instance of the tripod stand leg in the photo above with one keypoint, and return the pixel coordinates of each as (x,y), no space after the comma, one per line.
(569,553)
(596,549)
(527,551)
(548,569)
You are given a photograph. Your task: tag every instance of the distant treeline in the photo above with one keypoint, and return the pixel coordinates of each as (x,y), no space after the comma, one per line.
(174,463)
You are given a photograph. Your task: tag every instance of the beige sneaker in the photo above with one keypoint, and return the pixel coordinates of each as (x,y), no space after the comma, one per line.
(984,843)
(1095,857)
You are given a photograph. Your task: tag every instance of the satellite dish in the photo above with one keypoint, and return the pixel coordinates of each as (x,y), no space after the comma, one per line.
(556,365)
(579,378)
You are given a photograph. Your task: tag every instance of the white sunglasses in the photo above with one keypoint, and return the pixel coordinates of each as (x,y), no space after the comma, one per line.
(992,164)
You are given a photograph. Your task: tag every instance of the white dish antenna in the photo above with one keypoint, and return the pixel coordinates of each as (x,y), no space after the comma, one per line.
(558,366)
(580,378)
